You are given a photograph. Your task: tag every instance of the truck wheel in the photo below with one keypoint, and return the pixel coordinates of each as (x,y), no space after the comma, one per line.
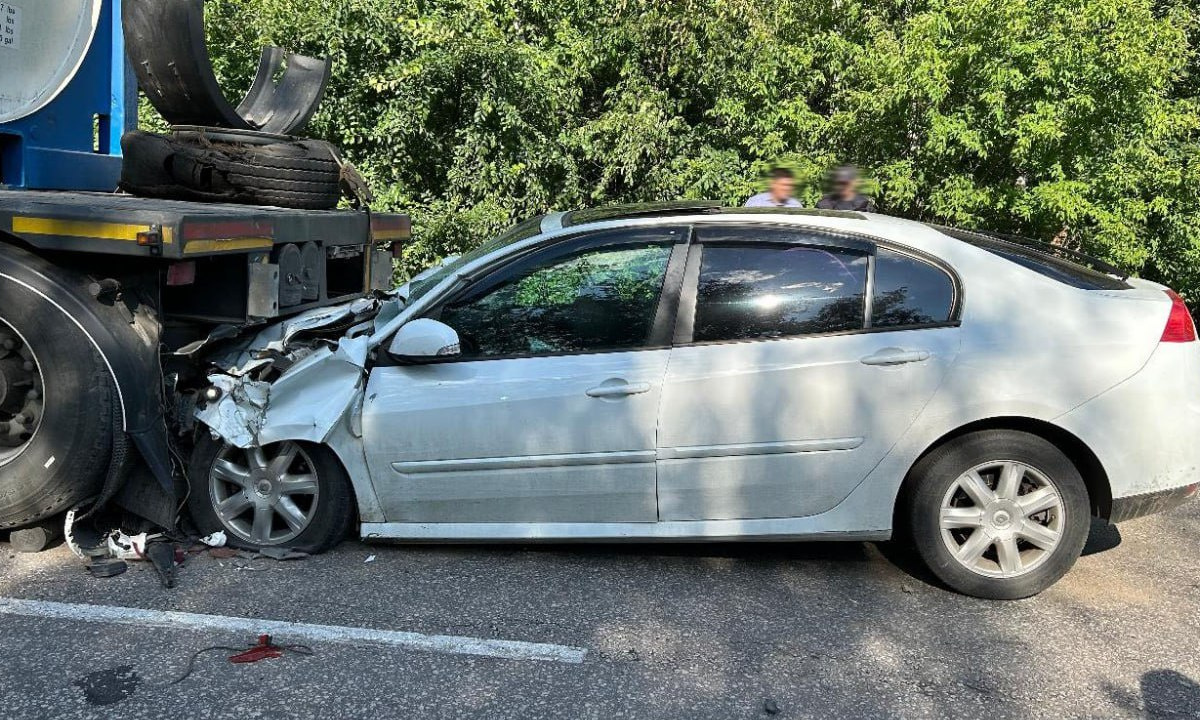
(998,514)
(287,494)
(56,405)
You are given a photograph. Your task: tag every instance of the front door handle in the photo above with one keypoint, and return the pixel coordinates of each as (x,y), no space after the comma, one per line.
(895,356)
(611,389)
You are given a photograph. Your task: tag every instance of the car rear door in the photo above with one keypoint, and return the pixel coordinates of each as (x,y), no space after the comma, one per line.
(800,358)
(550,413)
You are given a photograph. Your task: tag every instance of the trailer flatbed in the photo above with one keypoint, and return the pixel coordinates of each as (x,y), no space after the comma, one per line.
(225,263)
(119,224)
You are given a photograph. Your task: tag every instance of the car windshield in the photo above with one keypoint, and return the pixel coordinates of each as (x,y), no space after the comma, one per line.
(517,233)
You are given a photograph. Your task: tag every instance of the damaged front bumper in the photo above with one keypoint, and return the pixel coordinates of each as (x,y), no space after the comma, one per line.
(297,379)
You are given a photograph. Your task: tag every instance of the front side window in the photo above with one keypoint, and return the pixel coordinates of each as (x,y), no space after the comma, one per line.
(769,291)
(592,300)
(908,292)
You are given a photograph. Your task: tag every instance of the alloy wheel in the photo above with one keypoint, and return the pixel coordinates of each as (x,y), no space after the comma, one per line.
(264,495)
(1002,519)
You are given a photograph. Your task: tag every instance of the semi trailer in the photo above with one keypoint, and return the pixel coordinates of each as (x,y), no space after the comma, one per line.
(112,303)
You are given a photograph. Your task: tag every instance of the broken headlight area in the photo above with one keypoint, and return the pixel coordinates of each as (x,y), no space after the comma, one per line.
(294,379)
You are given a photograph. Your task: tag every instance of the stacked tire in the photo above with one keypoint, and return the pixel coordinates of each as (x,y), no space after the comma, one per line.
(283,172)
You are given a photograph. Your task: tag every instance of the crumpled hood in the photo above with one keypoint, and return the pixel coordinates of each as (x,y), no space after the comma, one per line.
(295,379)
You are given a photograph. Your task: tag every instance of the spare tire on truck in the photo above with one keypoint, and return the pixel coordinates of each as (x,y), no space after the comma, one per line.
(248,168)
(56,398)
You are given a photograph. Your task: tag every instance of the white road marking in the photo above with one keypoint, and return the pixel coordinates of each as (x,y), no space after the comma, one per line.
(292,632)
(49,463)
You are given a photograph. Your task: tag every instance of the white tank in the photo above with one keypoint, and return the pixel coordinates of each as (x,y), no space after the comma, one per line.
(42,44)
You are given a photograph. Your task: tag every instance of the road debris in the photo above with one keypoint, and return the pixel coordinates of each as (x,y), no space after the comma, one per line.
(215,540)
(264,649)
(281,553)
(106,567)
(128,547)
(162,555)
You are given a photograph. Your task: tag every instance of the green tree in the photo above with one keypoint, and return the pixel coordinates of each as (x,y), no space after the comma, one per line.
(1028,116)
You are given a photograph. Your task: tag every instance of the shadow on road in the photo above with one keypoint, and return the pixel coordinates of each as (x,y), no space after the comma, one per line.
(1166,693)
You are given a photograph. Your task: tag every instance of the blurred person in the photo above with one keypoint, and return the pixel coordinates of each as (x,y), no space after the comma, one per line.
(845,195)
(779,192)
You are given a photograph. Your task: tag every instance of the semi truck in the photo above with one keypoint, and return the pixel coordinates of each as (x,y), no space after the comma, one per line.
(111,302)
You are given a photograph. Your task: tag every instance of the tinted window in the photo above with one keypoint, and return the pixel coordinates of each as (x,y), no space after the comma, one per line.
(772,291)
(602,299)
(1043,259)
(909,291)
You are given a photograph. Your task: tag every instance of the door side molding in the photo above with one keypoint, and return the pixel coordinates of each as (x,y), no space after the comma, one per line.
(523,461)
(765,448)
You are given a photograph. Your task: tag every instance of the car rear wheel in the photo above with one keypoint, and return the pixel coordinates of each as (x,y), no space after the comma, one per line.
(998,514)
(287,494)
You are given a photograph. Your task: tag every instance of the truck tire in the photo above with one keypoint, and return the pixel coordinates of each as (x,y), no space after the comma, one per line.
(300,174)
(56,405)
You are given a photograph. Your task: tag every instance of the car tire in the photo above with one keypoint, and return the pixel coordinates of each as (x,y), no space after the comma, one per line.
(215,475)
(56,403)
(968,514)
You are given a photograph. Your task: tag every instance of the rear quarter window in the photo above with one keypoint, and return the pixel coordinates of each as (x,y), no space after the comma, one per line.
(1042,261)
(909,292)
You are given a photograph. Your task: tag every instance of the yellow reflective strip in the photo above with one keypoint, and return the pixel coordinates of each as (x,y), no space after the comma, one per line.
(223,244)
(391,235)
(80,228)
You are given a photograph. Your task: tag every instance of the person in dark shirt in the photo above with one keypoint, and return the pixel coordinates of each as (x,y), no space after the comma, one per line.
(845,195)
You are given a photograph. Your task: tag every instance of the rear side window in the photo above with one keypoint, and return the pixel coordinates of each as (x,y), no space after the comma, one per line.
(1044,261)
(909,292)
(770,291)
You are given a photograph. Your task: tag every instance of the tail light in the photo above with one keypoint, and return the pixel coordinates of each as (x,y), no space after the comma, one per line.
(1179,323)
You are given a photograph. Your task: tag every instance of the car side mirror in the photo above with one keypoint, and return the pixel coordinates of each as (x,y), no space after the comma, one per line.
(424,339)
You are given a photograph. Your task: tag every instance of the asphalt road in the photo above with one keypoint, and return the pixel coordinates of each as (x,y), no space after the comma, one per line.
(712,631)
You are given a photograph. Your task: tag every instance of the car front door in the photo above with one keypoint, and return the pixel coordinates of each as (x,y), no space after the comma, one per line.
(801,358)
(549,415)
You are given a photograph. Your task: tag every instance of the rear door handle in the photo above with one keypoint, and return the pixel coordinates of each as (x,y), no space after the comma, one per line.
(611,389)
(895,356)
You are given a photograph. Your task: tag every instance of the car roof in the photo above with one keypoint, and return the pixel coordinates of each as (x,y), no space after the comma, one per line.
(913,233)
(689,207)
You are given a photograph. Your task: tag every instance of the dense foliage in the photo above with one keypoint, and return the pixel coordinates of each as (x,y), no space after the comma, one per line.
(1031,116)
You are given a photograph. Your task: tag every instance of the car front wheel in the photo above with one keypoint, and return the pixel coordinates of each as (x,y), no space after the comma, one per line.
(287,494)
(998,514)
